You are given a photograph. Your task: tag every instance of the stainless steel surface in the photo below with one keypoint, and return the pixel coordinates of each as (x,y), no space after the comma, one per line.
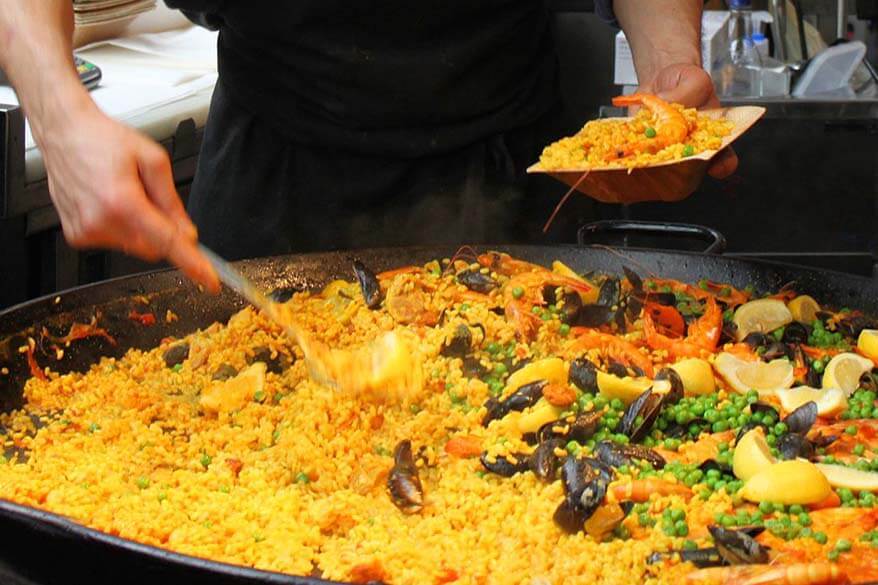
(778,9)
(841,20)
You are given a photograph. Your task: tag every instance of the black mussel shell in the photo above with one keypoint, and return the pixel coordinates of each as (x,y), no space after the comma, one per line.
(775,350)
(403,483)
(594,315)
(526,396)
(176,354)
(609,292)
(700,557)
(867,382)
(662,298)
(276,364)
(802,419)
(550,294)
(709,464)
(580,429)
(813,379)
(736,547)
(583,375)
(633,278)
(795,332)
(617,369)
(569,312)
(224,372)
(757,339)
(476,280)
(616,454)
(729,333)
(647,405)
(544,462)
(569,517)
(503,466)
(793,446)
(369,285)
(460,344)
(676,392)
(852,326)
(822,441)
(749,427)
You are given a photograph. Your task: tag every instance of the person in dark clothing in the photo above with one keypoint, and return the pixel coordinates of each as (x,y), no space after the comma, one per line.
(333,124)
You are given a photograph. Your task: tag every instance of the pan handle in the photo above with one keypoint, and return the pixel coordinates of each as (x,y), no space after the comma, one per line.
(715,241)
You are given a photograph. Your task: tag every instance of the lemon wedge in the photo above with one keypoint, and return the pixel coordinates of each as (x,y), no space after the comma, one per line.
(828,400)
(744,376)
(803,309)
(752,454)
(541,413)
(844,371)
(697,376)
(626,389)
(867,343)
(589,297)
(549,369)
(763,315)
(788,482)
(857,480)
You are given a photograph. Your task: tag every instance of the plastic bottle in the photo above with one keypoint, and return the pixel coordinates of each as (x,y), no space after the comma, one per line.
(738,72)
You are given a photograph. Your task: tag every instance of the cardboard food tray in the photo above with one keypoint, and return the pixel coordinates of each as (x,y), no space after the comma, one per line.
(665,181)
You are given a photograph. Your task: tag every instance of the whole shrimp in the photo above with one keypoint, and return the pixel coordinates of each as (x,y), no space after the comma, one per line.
(670,126)
(794,574)
(703,335)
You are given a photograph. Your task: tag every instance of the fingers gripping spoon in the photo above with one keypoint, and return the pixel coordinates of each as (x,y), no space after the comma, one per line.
(384,369)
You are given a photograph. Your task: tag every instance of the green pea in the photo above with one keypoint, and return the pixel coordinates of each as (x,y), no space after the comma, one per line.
(720,426)
(859,449)
(804,519)
(689,150)
(143,482)
(536,310)
(851,430)
(796,509)
(780,428)
(681,528)
(843,545)
(832,555)
(766,507)
(500,368)
(564,330)
(771,440)
(678,514)
(821,537)
(650,132)
(302,477)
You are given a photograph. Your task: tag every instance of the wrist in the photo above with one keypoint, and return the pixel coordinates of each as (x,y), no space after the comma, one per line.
(59,110)
(659,60)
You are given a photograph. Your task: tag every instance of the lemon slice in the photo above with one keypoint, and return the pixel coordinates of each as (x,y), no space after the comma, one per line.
(589,297)
(867,343)
(744,376)
(803,309)
(828,400)
(844,371)
(697,376)
(549,369)
(752,454)
(840,476)
(626,389)
(788,482)
(763,315)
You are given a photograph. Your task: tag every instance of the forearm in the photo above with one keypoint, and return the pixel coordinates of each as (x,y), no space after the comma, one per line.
(661,33)
(36,36)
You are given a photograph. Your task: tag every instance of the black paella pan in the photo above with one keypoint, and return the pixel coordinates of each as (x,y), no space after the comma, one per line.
(40,547)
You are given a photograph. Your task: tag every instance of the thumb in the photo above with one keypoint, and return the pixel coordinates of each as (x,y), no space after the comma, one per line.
(689,85)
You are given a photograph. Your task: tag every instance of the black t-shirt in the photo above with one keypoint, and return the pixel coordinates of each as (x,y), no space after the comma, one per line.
(386,77)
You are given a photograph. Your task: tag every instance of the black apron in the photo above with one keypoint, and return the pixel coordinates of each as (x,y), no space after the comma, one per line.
(352,124)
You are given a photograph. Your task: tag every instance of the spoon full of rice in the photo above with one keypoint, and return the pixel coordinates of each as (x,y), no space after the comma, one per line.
(385,369)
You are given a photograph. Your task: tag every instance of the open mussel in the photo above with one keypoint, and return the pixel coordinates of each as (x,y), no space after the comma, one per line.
(700,557)
(802,419)
(617,454)
(580,429)
(506,466)
(675,393)
(526,396)
(369,285)
(461,341)
(544,462)
(794,446)
(640,415)
(583,374)
(585,483)
(796,332)
(403,483)
(738,547)
(476,280)
(794,443)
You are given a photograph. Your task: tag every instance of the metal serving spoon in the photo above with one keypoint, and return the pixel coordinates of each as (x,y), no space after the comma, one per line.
(386,368)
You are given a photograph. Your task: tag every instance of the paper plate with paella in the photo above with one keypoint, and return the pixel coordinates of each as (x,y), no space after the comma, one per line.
(660,154)
(568,428)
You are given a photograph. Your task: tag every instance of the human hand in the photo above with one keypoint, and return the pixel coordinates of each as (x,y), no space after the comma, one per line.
(114,188)
(691,86)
